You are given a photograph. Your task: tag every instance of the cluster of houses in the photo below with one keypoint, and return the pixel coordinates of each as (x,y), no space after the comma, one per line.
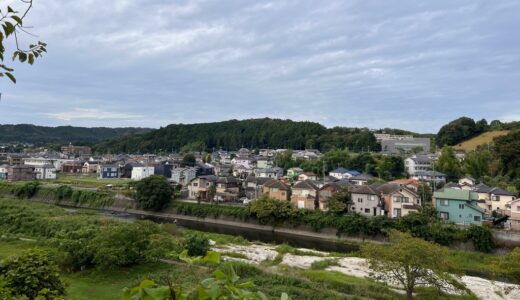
(468,202)
(245,175)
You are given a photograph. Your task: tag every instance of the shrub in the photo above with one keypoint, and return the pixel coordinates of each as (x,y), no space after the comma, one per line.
(27,190)
(153,193)
(32,274)
(481,237)
(197,244)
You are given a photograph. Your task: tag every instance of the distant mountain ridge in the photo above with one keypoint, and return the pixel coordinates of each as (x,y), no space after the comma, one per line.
(43,135)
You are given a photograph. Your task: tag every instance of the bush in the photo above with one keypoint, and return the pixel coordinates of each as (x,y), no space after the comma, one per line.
(481,237)
(153,193)
(266,209)
(27,190)
(32,274)
(197,244)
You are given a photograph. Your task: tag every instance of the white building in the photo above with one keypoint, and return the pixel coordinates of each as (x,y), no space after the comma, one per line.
(419,163)
(140,172)
(45,172)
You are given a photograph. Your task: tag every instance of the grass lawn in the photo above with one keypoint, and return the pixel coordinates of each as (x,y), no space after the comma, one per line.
(8,248)
(88,181)
(484,138)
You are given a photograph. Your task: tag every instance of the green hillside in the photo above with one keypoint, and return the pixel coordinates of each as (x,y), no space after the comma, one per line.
(42,135)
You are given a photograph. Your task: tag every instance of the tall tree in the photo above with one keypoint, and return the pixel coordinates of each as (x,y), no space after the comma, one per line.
(409,261)
(449,164)
(507,149)
(456,131)
(477,163)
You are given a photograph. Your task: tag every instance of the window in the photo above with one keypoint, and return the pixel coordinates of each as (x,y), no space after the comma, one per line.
(444,215)
(476,218)
(195,184)
(518,208)
(397,212)
(353,208)
(461,206)
(360,200)
(274,190)
(445,202)
(495,198)
(372,198)
(367,210)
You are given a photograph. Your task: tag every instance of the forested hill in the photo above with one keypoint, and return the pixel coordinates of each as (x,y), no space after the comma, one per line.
(41,135)
(251,133)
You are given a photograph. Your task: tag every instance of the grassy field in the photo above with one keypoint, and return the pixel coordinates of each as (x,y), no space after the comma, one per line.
(89,181)
(482,139)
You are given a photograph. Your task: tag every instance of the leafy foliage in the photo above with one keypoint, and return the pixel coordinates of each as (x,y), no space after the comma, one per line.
(459,130)
(12,25)
(449,164)
(154,192)
(32,274)
(507,149)
(409,261)
(197,244)
(252,133)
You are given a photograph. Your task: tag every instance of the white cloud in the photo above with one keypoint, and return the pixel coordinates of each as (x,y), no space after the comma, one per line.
(91,114)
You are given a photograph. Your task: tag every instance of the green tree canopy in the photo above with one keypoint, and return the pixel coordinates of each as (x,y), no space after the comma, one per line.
(458,131)
(409,261)
(153,193)
(449,164)
(188,160)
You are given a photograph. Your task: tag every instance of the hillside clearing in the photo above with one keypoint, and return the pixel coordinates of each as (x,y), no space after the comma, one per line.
(482,139)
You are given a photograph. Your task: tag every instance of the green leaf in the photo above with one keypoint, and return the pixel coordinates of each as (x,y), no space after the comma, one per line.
(212,257)
(10,77)
(22,56)
(31,59)
(8,28)
(9,9)
(17,19)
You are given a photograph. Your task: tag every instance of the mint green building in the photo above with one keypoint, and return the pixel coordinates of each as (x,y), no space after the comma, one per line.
(458,206)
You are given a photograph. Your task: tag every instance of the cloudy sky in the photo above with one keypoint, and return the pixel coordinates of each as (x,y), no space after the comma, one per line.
(406,64)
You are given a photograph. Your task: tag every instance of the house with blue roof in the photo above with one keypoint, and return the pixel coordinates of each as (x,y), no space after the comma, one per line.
(458,206)
(343,173)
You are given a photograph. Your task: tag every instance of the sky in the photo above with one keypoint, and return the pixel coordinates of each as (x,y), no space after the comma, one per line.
(413,65)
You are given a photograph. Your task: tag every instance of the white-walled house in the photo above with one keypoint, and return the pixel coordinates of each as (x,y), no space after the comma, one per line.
(140,172)
(45,172)
(342,173)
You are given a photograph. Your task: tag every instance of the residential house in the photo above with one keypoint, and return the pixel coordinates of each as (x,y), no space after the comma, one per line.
(245,161)
(293,173)
(3,171)
(467,183)
(72,167)
(329,189)
(308,154)
(242,171)
(275,172)
(484,200)
(263,162)
(419,162)
(205,169)
(227,189)
(342,173)
(75,150)
(458,206)
(514,214)
(305,195)
(399,200)
(108,171)
(361,179)
(275,189)
(45,172)
(307,176)
(430,176)
(183,176)
(267,152)
(253,186)
(20,173)
(126,170)
(499,199)
(141,172)
(366,201)
(200,188)
(90,167)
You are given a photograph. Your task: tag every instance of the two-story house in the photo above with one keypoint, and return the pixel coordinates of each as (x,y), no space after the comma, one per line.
(514,214)
(45,172)
(499,198)
(253,186)
(329,189)
(366,201)
(276,189)
(307,176)
(399,200)
(274,172)
(108,171)
(227,189)
(305,195)
(361,179)
(141,172)
(183,176)
(200,188)
(458,206)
